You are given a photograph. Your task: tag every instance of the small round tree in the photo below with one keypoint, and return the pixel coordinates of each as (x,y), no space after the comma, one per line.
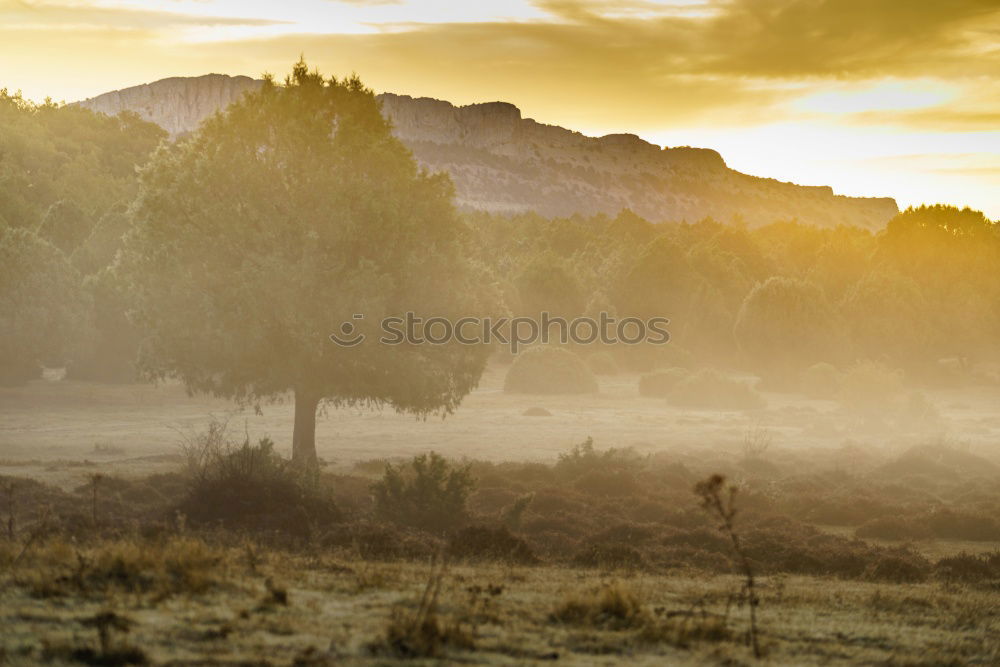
(44,313)
(294,215)
(786,324)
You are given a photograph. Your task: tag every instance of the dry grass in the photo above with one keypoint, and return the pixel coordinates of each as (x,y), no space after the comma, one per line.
(186,600)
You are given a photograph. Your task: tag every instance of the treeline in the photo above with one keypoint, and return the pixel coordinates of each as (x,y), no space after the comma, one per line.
(772,300)
(67,177)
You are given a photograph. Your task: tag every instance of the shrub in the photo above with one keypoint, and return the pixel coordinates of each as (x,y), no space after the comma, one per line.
(607,483)
(968,567)
(602,363)
(661,383)
(488,543)
(250,486)
(584,458)
(711,389)
(702,539)
(609,556)
(893,528)
(898,570)
(428,493)
(951,525)
(820,380)
(613,606)
(170,566)
(549,370)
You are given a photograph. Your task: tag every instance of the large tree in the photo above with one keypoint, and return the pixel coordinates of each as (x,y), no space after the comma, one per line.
(279,220)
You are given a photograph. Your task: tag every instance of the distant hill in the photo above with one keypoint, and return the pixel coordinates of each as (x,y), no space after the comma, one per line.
(502,162)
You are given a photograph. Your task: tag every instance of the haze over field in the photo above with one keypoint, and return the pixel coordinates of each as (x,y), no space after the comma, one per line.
(295,370)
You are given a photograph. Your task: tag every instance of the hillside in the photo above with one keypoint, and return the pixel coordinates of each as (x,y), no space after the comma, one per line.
(501,161)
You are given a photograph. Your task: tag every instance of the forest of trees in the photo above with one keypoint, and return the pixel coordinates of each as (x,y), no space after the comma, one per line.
(281,227)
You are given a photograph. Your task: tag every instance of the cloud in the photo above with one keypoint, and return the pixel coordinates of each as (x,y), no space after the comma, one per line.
(597,63)
(38,15)
(627,64)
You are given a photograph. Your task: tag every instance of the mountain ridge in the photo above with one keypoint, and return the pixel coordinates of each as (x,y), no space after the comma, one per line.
(503,162)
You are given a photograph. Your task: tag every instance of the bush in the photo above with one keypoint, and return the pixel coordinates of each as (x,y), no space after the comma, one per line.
(613,606)
(893,528)
(711,389)
(549,370)
(428,493)
(898,570)
(661,383)
(250,486)
(487,543)
(951,525)
(820,380)
(584,459)
(166,566)
(602,363)
(609,556)
(968,567)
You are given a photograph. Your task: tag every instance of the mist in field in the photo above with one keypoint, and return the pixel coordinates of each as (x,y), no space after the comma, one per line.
(247,365)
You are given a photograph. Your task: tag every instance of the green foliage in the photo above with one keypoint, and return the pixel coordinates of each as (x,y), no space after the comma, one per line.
(44,313)
(953,256)
(428,493)
(57,153)
(278,221)
(548,369)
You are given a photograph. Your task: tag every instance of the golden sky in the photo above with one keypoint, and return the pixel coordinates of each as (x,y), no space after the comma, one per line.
(893,98)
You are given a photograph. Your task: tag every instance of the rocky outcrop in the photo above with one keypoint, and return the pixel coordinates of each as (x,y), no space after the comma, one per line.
(177,104)
(502,162)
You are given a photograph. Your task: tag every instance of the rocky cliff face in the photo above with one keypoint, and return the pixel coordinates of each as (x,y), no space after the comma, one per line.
(502,162)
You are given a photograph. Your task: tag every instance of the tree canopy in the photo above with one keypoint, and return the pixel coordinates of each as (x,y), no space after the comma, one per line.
(277,222)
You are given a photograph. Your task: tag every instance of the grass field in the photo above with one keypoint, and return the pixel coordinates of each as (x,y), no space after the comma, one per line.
(277,608)
(871,545)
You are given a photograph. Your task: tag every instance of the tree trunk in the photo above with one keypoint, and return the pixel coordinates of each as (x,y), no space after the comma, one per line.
(304,431)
